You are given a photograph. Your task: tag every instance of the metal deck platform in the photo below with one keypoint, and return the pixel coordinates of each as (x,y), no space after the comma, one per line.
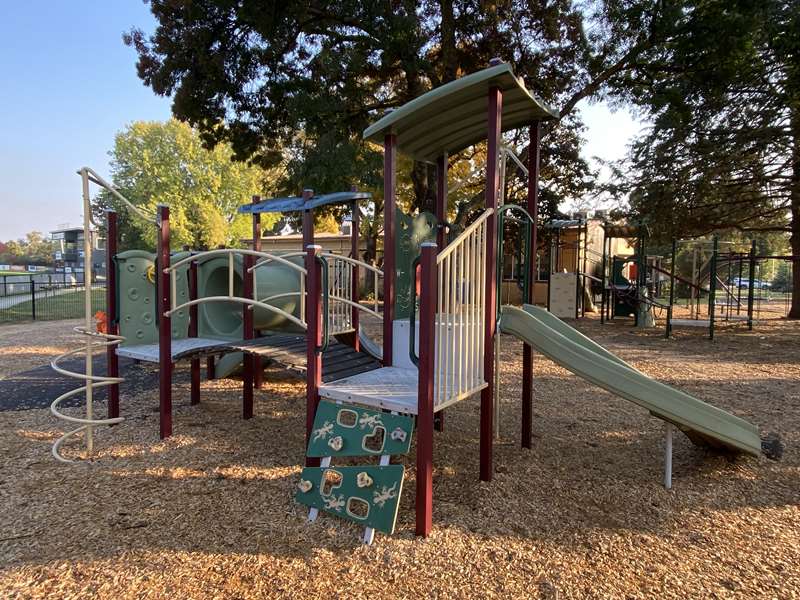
(339,361)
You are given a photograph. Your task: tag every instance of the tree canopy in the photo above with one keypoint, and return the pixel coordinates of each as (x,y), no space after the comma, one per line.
(723,96)
(299,81)
(165,163)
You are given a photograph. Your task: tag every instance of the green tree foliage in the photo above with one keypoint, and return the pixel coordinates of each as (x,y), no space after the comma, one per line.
(724,98)
(34,248)
(299,81)
(165,163)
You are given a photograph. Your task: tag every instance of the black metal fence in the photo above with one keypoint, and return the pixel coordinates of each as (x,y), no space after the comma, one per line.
(49,301)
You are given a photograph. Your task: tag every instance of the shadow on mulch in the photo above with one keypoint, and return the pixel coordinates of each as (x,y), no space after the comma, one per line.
(37,388)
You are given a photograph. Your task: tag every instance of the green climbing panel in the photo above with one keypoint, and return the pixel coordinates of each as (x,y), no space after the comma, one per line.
(412,232)
(137,298)
(368,495)
(347,430)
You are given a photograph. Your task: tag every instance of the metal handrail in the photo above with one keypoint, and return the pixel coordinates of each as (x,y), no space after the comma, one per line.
(529,222)
(450,248)
(207,254)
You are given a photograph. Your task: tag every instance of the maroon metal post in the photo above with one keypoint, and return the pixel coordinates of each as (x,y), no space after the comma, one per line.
(441,237)
(492,181)
(427,344)
(193,329)
(354,312)
(389,207)
(527,351)
(313,339)
(247,334)
(308,221)
(164,325)
(112,318)
(211,371)
(258,365)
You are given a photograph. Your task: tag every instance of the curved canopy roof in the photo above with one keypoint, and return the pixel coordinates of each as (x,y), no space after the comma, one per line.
(454,116)
(298,203)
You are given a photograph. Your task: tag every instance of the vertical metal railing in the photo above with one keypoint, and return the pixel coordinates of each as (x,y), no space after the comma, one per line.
(461,315)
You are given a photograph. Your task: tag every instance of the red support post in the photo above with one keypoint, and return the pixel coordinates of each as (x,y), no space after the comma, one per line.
(354,312)
(112,318)
(441,237)
(211,371)
(164,325)
(389,226)
(313,339)
(247,331)
(527,351)
(492,181)
(427,344)
(258,365)
(193,329)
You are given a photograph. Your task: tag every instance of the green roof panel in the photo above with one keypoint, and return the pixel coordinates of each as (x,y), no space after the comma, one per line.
(454,116)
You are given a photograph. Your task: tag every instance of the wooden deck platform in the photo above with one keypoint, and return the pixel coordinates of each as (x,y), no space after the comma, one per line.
(289,350)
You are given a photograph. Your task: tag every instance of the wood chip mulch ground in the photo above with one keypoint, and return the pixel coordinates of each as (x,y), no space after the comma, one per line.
(209,513)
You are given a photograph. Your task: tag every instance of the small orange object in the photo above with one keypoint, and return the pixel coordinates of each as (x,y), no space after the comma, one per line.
(102,321)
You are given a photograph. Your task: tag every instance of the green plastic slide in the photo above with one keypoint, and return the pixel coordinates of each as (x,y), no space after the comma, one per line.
(702,423)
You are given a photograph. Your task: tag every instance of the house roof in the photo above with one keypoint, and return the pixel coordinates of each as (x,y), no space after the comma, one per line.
(453,116)
(298,203)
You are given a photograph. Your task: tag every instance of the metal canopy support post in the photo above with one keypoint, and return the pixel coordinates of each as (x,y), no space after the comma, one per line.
(751,278)
(247,334)
(441,237)
(427,351)
(112,318)
(314,334)
(354,253)
(668,428)
(164,325)
(603,281)
(487,395)
(671,287)
(193,332)
(389,237)
(527,351)
(258,365)
(712,288)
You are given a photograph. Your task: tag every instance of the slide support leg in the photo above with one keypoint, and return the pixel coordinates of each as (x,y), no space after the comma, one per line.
(668,455)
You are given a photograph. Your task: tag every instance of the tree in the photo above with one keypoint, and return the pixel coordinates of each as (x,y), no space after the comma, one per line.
(303,79)
(34,248)
(165,163)
(724,99)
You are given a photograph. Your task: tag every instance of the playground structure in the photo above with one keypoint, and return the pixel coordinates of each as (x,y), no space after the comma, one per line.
(718,281)
(440,317)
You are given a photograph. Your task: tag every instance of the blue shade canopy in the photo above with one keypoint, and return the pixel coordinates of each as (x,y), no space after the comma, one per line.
(298,203)
(454,116)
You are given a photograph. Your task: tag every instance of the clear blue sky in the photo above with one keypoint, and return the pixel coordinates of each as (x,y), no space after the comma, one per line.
(69,84)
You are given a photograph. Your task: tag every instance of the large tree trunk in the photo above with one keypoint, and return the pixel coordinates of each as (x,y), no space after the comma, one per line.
(794,312)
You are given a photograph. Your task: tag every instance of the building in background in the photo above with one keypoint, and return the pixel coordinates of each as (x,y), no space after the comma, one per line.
(68,254)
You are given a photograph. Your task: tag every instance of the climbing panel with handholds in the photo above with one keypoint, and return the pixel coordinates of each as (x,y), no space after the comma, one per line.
(368,495)
(136,276)
(412,232)
(348,430)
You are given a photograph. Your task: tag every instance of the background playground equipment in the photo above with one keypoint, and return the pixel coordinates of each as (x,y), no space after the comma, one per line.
(575,265)
(631,282)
